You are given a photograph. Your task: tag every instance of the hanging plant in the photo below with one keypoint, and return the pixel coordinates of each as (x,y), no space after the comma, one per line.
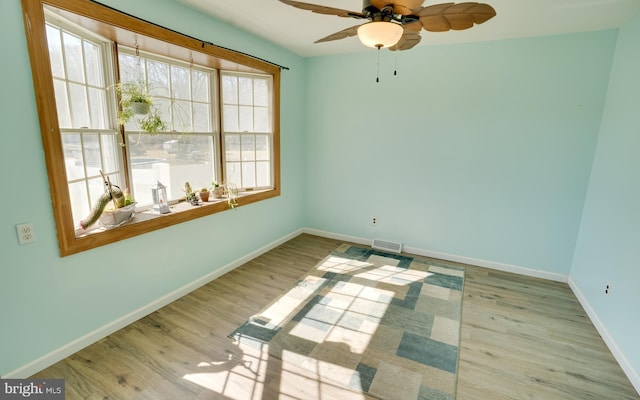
(152,123)
(136,100)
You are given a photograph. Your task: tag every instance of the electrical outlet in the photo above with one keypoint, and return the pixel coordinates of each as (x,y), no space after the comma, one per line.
(26,233)
(374,221)
(607,288)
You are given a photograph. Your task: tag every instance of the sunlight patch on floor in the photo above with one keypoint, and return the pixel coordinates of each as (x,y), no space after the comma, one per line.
(315,380)
(234,375)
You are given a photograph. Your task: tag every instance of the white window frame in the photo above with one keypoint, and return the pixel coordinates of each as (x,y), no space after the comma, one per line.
(242,186)
(88,187)
(168,98)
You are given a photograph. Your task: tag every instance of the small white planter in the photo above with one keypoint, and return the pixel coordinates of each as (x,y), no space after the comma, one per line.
(117,217)
(217,192)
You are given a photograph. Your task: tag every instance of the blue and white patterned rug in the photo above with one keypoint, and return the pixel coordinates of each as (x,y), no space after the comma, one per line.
(385,324)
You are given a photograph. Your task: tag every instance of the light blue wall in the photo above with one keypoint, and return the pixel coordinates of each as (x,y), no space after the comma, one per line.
(480,150)
(47,301)
(608,247)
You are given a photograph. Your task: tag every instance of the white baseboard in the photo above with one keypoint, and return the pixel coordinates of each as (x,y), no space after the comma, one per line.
(536,273)
(337,236)
(92,337)
(450,257)
(626,366)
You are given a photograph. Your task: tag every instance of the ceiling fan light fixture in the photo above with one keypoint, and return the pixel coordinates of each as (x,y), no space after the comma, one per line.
(380,34)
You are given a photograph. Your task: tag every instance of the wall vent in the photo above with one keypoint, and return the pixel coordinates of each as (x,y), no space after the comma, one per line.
(386,245)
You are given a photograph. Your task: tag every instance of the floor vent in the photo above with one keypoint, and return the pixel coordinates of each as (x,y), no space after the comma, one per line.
(385,245)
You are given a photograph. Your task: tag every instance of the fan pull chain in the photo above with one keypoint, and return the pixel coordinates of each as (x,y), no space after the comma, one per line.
(395,68)
(378,71)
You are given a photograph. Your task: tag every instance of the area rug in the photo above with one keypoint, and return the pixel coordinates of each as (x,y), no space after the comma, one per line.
(385,324)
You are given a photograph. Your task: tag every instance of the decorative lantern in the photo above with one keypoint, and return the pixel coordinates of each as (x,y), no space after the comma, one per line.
(159,195)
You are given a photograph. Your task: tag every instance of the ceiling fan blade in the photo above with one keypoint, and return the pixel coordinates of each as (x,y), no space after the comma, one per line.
(413,26)
(408,40)
(345,33)
(404,7)
(451,16)
(323,9)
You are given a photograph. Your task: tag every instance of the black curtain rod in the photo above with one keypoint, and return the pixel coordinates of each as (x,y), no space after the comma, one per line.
(204,42)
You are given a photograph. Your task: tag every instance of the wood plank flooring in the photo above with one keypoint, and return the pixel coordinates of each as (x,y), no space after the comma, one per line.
(522,338)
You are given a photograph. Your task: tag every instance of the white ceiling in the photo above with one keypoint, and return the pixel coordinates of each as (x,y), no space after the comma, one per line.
(297,29)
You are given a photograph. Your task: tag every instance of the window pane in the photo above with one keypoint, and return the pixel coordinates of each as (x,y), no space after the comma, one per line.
(130,68)
(200,90)
(55,51)
(263,150)
(202,117)
(73,159)
(263,174)
(73,57)
(93,64)
(249,174)
(232,147)
(173,160)
(164,109)
(245,91)
(248,148)
(233,174)
(98,106)
(145,173)
(260,92)
(182,116)
(229,89)
(62,104)
(91,144)
(79,108)
(158,78)
(261,119)
(180,83)
(246,119)
(79,200)
(109,155)
(230,118)
(96,189)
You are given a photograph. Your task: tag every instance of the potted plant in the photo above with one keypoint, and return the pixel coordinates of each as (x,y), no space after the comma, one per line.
(112,216)
(204,194)
(135,100)
(217,190)
(113,208)
(190,195)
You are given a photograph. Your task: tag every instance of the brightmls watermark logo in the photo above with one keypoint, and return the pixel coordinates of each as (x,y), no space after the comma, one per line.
(39,389)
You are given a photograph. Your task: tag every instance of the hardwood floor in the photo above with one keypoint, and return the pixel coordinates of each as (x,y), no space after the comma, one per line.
(522,338)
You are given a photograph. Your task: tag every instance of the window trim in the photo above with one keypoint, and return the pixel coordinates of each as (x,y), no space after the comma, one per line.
(128,31)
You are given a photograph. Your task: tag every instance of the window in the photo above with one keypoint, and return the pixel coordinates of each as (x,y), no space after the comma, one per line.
(220,107)
(80,84)
(183,94)
(247,130)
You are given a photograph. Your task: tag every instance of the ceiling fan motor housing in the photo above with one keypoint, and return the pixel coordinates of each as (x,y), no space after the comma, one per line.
(367,8)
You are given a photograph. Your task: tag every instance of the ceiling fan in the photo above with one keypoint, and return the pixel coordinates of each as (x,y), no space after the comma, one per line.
(396,24)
